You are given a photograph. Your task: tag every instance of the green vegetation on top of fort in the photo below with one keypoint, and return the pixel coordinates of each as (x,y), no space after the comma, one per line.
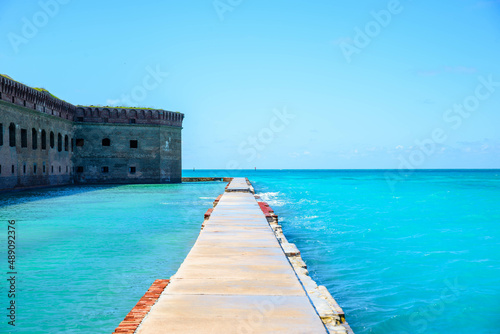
(6,76)
(43,90)
(123,107)
(117,107)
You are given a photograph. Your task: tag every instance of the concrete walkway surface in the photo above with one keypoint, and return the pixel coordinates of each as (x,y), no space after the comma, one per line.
(236,278)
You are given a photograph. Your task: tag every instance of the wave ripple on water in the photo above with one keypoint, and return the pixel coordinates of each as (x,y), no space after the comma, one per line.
(423,257)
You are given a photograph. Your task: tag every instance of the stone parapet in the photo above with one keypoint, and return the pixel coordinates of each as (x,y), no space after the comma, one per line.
(128,116)
(34,98)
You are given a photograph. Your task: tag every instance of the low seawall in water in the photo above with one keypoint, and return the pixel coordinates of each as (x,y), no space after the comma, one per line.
(241,276)
(206,179)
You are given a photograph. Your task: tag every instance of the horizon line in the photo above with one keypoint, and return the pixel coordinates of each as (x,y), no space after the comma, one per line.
(379,169)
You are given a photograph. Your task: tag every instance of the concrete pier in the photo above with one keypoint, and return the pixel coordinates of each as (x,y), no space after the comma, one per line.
(239,277)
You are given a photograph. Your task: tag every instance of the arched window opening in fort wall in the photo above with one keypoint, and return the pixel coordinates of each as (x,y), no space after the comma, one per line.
(44,140)
(34,139)
(52,140)
(12,135)
(59,142)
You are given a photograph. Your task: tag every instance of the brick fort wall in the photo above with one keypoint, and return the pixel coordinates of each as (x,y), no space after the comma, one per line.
(45,141)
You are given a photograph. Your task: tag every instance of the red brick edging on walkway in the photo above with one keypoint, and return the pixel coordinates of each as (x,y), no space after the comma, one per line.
(268,212)
(143,306)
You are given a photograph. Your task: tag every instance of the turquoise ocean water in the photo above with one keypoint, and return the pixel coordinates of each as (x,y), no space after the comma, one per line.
(417,254)
(86,255)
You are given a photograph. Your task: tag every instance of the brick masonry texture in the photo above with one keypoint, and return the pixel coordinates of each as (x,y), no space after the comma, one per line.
(143,306)
(45,141)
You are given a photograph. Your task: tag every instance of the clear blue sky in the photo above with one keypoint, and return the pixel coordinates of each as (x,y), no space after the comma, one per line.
(355,100)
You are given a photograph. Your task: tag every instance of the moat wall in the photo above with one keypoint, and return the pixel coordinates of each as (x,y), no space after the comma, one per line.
(29,160)
(45,141)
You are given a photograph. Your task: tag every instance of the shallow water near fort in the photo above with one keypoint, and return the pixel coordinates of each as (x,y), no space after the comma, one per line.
(420,256)
(86,255)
